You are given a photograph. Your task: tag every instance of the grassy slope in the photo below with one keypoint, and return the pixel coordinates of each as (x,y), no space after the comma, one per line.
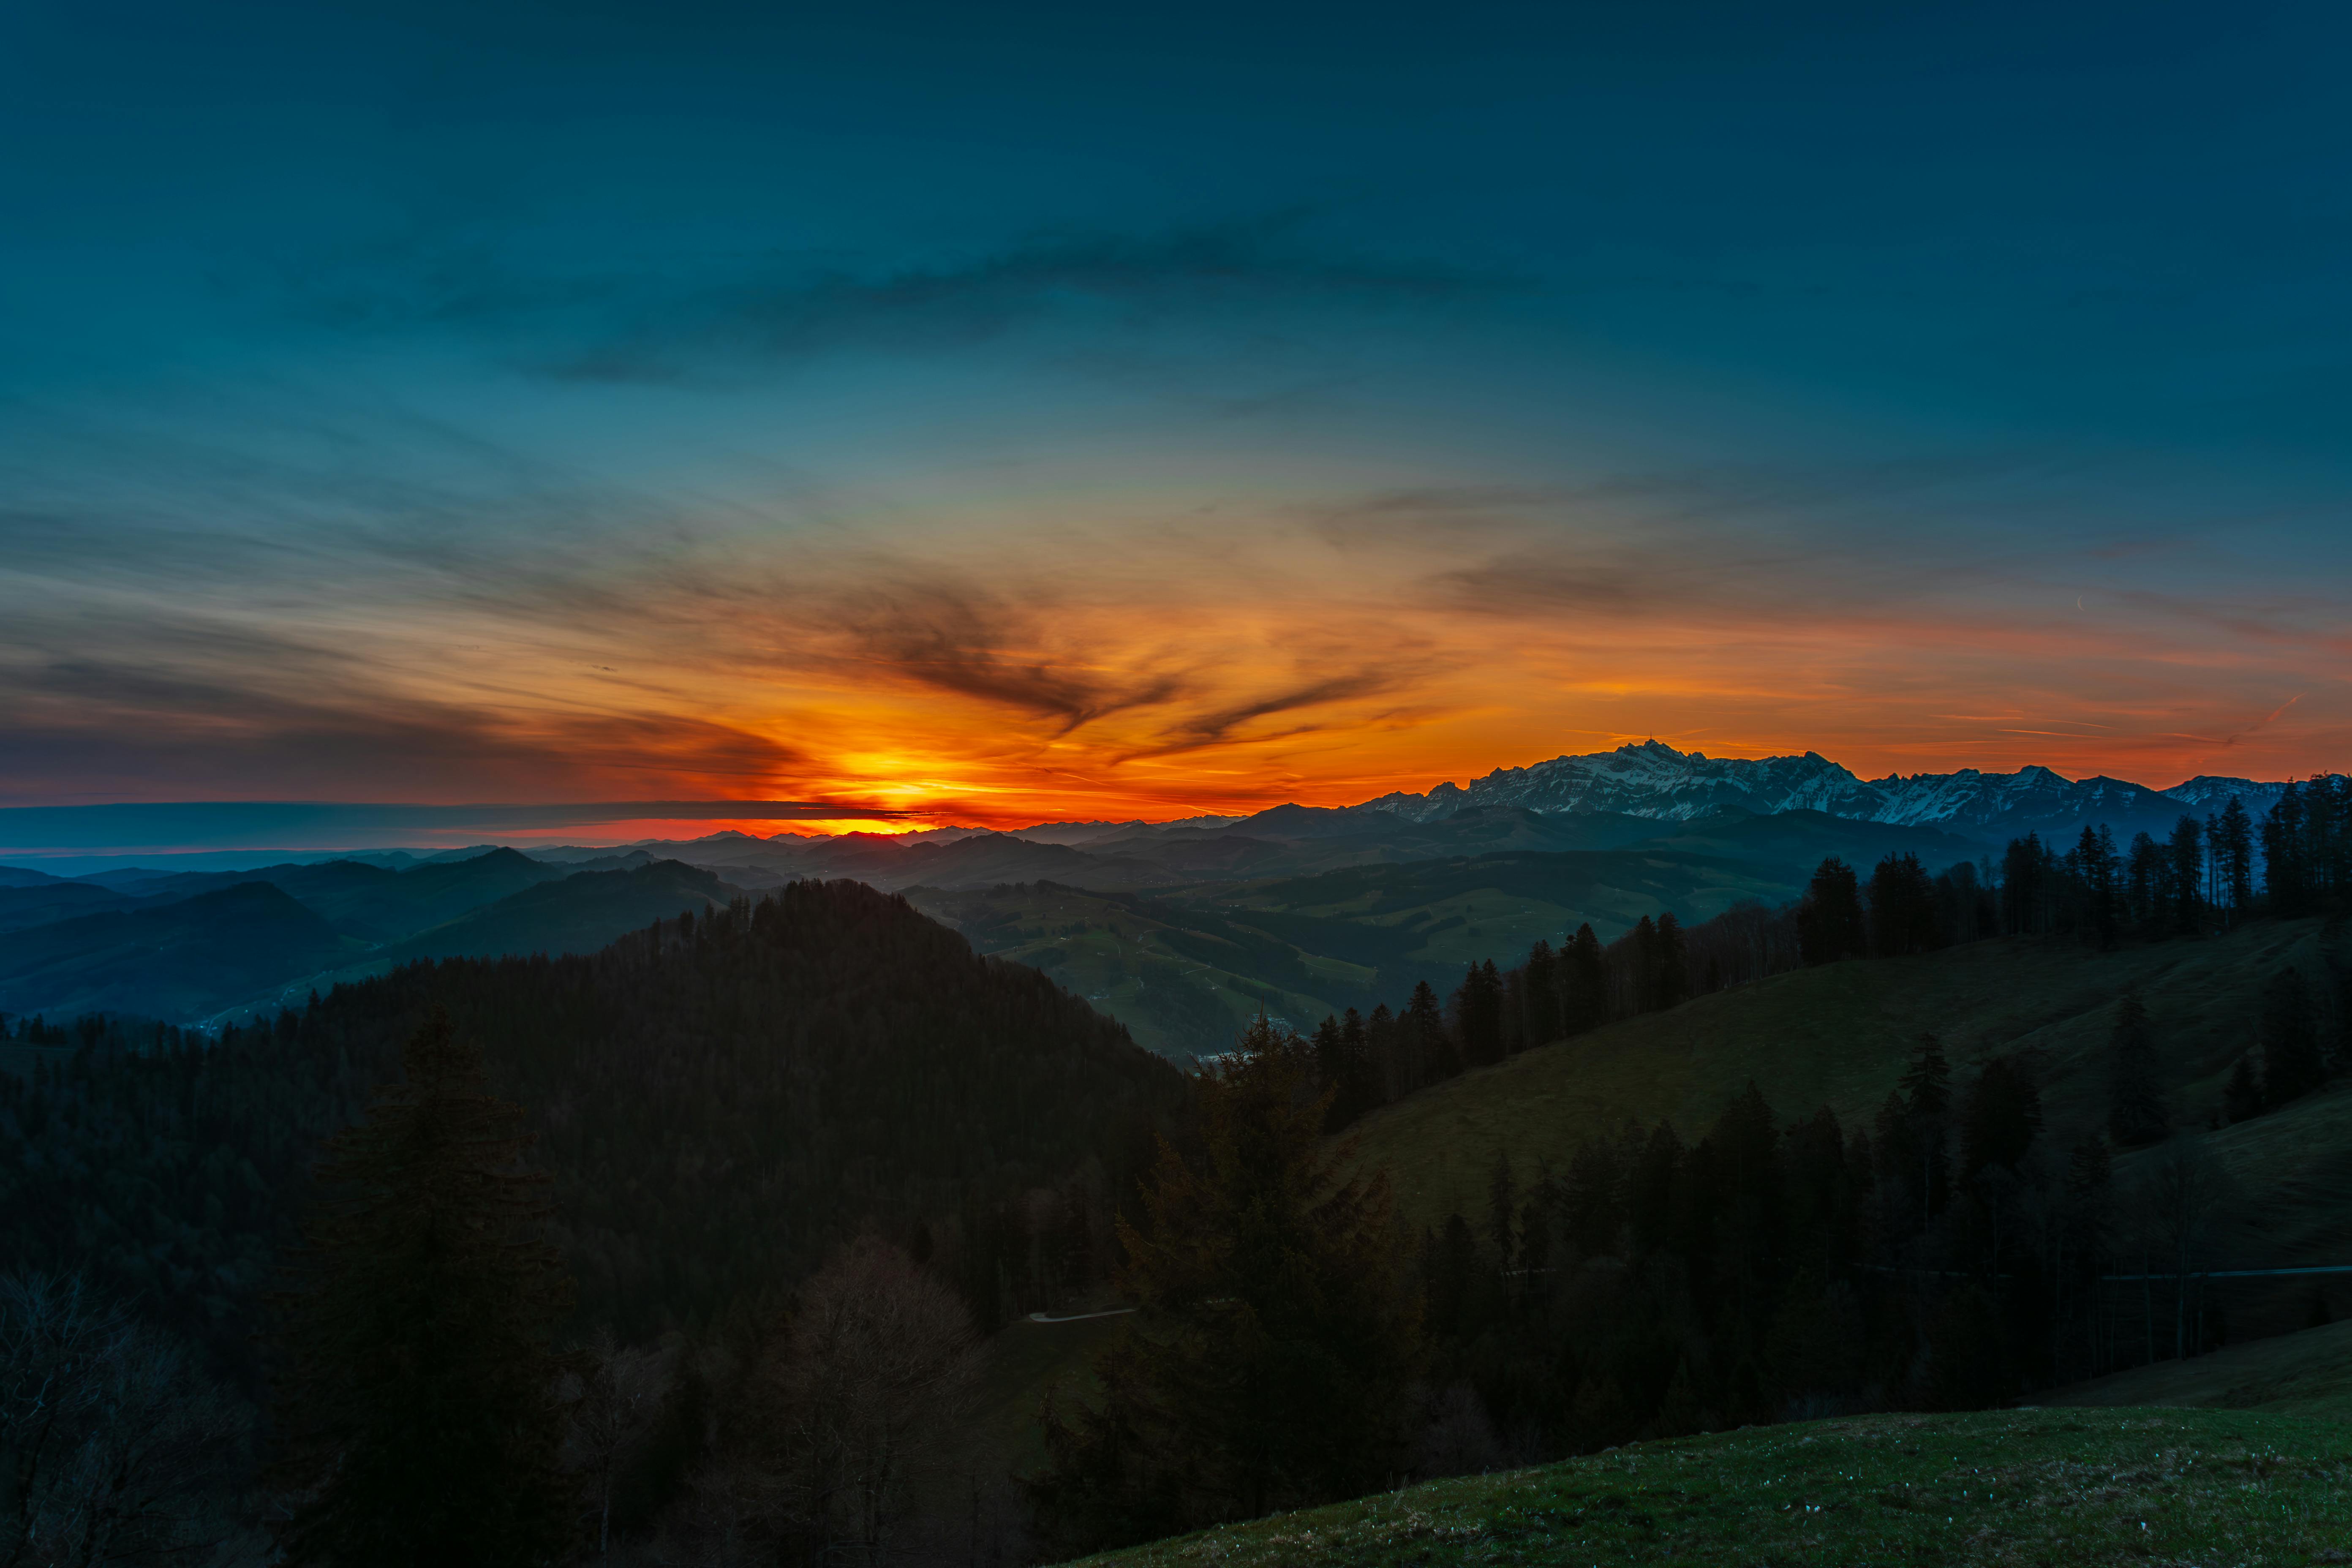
(2006,1487)
(1839,1036)
(2308,1374)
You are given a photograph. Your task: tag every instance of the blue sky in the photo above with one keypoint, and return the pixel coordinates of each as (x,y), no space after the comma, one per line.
(1173,408)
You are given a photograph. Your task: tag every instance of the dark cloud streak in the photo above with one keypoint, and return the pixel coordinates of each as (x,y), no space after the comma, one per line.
(959,639)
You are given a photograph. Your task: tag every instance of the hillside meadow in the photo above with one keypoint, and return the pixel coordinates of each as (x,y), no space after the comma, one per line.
(1839,1035)
(2024,1487)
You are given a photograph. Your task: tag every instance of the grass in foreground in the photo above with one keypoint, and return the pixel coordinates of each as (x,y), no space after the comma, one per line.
(2031,1486)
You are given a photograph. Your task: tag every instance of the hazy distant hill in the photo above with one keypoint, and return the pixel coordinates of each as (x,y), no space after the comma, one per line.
(374,902)
(179,960)
(577,914)
(189,946)
(39,903)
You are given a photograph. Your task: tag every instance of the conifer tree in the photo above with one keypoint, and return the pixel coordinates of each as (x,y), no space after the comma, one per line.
(1902,907)
(1639,946)
(2187,853)
(1270,1361)
(2136,1113)
(2003,1117)
(2292,1065)
(1330,1063)
(1542,996)
(2285,864)
(2097,864)
(2025,874)
(1926,1091)
(420,1409)
(1584,982)
(1386,1074)
(1671,982)
(1503,1209)
(2143,880)
(1423,1024)
(1359,1083)
(1478,1014)
(2233,851)
(1830,924)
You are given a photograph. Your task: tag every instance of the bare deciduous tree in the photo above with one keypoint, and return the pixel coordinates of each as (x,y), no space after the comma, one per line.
(878,1365)
(612,1399)
(2183,1195)
(112,1447)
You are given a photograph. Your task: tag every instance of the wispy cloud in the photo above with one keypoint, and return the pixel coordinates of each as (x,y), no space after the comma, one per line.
(721,315)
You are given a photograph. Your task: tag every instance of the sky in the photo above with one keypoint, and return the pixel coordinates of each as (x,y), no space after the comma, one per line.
(1007,413)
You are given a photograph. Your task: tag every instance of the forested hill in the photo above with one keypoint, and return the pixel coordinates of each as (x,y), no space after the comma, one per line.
(719,1101)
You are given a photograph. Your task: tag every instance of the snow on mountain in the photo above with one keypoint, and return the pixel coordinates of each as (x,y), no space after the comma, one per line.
(1654,780)
(2211,792)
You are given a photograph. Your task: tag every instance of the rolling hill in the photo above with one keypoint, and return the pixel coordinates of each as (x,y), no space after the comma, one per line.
(1184,967)
(576,913)
(25,905)
(375,903)
(180,959)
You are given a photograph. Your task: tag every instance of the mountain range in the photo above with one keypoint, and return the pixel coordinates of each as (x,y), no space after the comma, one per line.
(1178,928)
(1652,779)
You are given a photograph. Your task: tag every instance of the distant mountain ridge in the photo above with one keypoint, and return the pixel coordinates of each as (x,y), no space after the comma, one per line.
(1652,779)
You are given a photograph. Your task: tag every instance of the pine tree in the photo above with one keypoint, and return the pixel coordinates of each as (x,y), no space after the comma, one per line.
(1584,982)
(1902,907)
(2233,850)
(2096,864)
(2025,877)
(1672,982)
(420,1410)
(1830,924)
(1360,1088)
(1926,1091)
(1641,948)
(1331,1062)
(2286,869)
(2185,851)
(1478,1014)
(2003,1117)
(1503,1210)
(1541,995)
(1270,1361)
(2136,1113)
(2292,1065)
(1430,1050)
